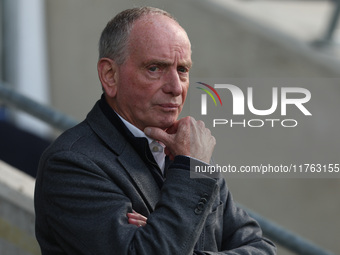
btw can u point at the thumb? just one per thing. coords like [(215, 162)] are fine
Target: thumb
[(157, 134)]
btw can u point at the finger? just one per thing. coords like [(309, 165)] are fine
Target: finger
[(168, 153), (137, 216), (173, 129), (140, 216), (157, 134), (138, 223)]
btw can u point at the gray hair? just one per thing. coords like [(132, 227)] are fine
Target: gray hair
[(114, 38)]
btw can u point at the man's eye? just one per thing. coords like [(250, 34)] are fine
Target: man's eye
[(153, 68), (182, 69)]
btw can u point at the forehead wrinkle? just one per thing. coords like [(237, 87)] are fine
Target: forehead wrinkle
[(143, 33)]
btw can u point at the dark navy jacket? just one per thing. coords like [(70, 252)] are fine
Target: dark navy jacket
[(92, 176)]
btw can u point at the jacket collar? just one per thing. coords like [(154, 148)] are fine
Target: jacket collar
[(114, 134)]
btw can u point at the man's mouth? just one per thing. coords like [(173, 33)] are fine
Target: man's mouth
[(169, 107)]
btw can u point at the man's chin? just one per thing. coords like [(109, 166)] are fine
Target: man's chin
[(163, 122), (166, 125)]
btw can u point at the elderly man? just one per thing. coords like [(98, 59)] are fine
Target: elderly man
[(119, 182)]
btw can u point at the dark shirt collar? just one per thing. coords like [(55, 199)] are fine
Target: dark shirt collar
[(111, 115), (140, 144)]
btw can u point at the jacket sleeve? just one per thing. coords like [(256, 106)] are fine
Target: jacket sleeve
[(227, 228), (241, 234)]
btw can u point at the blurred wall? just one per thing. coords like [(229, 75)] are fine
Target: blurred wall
[(16, 212), (224, 44)]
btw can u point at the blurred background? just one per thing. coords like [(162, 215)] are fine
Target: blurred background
[(49, 54)]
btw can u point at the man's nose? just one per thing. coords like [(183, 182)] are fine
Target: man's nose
[(173, 83)]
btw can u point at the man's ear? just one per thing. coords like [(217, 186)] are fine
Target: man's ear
[(108, 76)]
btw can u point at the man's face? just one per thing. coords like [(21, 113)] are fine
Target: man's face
[(153, 81)]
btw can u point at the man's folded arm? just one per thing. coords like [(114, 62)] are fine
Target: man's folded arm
[(241, 233), (88, 214)]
